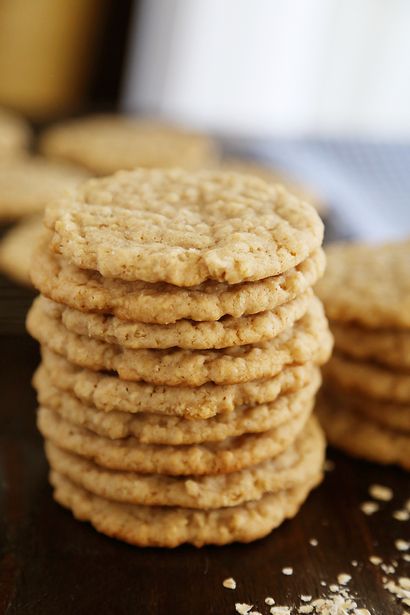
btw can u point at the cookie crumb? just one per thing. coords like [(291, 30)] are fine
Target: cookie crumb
[(406, 557), (402, 545), (401, 515), (343, 578), (362, 612), (288, 571), (229, 583), (397, 590), (305, 598), (313, 542), (354, 563), (369, 508), (404, 582), (375, 560), (334, 588), (323, 583), (387, 569), (242, 608), (281, 610), (269, 601), (319, 603), (381, 492), (305, 608)]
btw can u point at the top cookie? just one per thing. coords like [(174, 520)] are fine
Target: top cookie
[(14, 134), (28, 184), (181, 228), (105, 144), (368, 284)]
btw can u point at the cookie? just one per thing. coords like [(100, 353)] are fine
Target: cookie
[(182, 228), (309, 338), (184, 333), (27, 185), (88, 291), (15, 135), (108, 143), (391, 347), (150, 526), (128, 454), (368, 285), (392, 415), (108, 393), (368, 379), (16, 249), (276, 176), (362, 437), (291, 468), (149, 428)]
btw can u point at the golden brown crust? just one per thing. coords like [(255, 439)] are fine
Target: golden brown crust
[(368, 284), (110, 394), (184, 229), (184, 334), (170, 527), (151, 428), (88, 291), (309, 338), (291, 468), (392, 415), (368, 379), (359, 436), (230, 455), (390, 347)]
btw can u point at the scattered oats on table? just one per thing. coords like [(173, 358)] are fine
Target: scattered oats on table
[(381, 492), (229, 583), (401, 515), (369, 508), (402, 545), (242, 608)]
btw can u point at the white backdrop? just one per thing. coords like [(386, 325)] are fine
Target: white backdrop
[(265, 67)]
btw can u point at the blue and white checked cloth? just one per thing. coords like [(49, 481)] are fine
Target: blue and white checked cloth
[(366, 184)]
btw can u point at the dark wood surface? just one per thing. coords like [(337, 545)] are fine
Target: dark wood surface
[(52, 564)]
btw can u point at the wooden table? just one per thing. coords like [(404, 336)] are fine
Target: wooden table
[(52, 564)]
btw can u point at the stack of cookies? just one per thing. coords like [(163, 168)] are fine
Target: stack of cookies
[(181, 345), (365, 405)]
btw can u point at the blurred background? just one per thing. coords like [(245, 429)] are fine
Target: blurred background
[(317, 89)]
